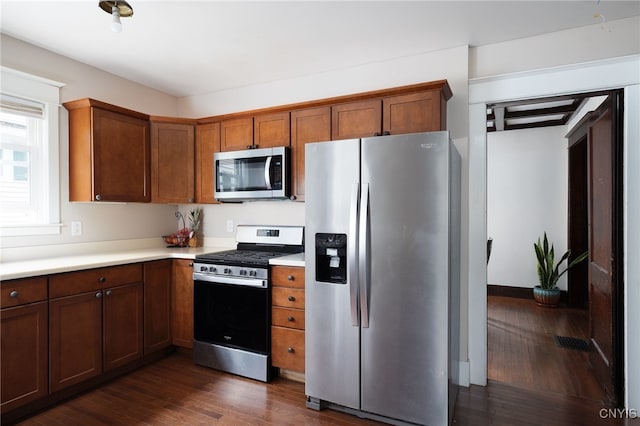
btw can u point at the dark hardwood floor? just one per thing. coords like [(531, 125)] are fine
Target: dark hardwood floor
[(174, 391)]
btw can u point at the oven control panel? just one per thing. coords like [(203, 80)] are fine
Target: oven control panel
[(231, 271)]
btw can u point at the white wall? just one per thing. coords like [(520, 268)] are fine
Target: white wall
[(100, 222), (527, 189)]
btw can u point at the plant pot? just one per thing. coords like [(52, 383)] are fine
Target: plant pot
[(549, 298)]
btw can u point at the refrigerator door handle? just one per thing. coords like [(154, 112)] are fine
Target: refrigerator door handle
[(352, 255), (363, 241)]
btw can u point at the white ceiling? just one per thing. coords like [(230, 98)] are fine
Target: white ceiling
[(193, 47)]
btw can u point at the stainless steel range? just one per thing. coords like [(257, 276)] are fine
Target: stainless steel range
[(232, 300)]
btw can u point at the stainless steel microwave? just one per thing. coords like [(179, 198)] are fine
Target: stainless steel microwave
[(252, 174)]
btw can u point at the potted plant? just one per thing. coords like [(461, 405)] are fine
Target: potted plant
[(195, 220), (547, 293)]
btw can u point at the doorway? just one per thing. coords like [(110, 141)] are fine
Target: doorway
[(617, 72), (532, 200)]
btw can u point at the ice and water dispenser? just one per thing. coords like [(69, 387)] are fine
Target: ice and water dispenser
[(331, 258)]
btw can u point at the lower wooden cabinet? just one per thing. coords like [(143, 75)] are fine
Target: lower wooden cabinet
[(25, 363), (95, 322), (182, 303), (157, 305), (287, 318)]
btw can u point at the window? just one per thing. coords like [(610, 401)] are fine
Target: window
[(29, 175)]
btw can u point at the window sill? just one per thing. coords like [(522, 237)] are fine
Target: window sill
[(26, 230)]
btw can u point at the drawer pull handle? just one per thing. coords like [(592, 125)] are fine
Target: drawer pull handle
[(291, 298), (109, 292), (102, 280), (290, 277), (14, 293), (99, 295), (290, 318), (290, 350)]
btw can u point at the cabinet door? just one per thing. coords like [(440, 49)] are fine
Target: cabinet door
[(413, 113), (75, 345), (121, 157), (287, 348), (271, 130), (122, 322), (25, 359), (172, 163), (236, 134), (309, 125), (182, 303), (356, 119), (207, 144), (157, 305)]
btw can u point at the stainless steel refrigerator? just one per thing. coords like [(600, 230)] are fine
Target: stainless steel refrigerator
[(382, 252)]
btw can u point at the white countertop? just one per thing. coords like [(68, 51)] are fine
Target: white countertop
[(53, 265), (296, 259), (76, 262)]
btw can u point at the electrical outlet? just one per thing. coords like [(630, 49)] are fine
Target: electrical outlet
[(76, 229), (229, 225)]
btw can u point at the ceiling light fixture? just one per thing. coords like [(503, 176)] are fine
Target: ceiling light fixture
[(117, 9)]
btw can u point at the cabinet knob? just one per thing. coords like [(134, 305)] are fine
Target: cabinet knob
[(249, 147), (14, 293), (291, 298), (98, 197), (290, 277), (99, 295), (290, 319), (293, 198), (102, 280), (376, 134), (290, 350), (109, 292), (191, 199), (191, 264)]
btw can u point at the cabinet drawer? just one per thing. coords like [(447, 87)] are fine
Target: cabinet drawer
[(22, 291), (287, 276), (287, 348), (93, 279), (287, 297), (286, 317)]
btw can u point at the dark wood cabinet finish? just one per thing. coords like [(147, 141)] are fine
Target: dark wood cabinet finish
[(157, 305), (109, 153), (75, 345), (207, 144), (172, 162), (122, 324), (308, 125), (24, 370), (22, 291), (182, 303), (95, 322)]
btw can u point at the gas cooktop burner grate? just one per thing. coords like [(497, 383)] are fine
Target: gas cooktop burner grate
[(240, 257)]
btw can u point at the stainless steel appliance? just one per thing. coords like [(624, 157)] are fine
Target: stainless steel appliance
[(232, 300), (252, 174), (382, 277)]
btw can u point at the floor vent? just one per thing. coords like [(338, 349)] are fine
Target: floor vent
[(572, 343)]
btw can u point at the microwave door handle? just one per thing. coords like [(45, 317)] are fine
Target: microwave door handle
[(267, 172)]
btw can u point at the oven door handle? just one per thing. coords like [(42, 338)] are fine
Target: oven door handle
[(250, 282)]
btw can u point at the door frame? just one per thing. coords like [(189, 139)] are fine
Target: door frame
[(592, 76)]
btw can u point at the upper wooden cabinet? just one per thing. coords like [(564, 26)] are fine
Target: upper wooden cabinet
[(308, 125), (270, 130), (172, 160), (109, 153), (356, 119), (260, 131), (423, 111), (236, 134), (207, 144)]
